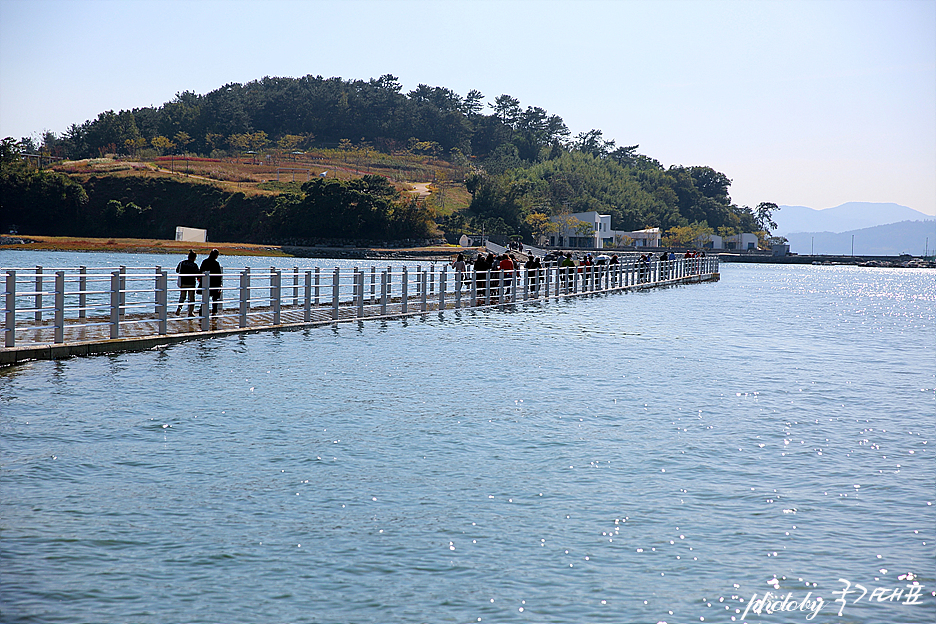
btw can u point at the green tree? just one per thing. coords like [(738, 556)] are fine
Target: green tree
[(472, 104), (507, 109), (37, 201), (214, 140), (182, 139), (593, 143), (763, 216)]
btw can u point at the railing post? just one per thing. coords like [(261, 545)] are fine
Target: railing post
[(373, 282), (383, 293), (458, 287), (295, 287), (474, 289), (38, 295), (156, 288), (422, 291), (488, 295), (526, 285), (162, 301), (336, 292), (123, 290), (247, 286), (59, 307), (307, 313), (9, 322), (442, 286), (115, 305), (404, 288), (273, 292), (277, 279), (244, 297), (359, 279), (318, 274), (82, 291), (206, 301)]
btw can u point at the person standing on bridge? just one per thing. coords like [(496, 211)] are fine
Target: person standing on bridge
[(211, 265), (460, 268), (187, 284), (506, 266), (481, 268)]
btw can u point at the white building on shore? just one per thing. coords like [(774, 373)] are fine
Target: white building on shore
[(598, 234)]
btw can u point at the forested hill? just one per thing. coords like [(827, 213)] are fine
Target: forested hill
[(526, 165)]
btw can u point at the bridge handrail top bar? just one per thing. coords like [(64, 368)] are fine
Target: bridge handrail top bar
[(139, 303)]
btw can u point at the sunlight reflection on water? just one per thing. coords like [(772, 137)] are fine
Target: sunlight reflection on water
[(643, 457)]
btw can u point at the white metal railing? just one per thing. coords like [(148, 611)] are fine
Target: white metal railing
[(44, 305)]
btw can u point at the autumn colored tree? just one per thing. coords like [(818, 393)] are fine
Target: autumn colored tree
[(540, 226), (161, 144)]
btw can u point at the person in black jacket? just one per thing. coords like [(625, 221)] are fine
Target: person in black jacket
[(187, 284), (211, 265)]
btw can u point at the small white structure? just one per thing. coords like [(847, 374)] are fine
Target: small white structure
[(737, 242), (741, 242), (648, 237), (191, 235), (780, 249)]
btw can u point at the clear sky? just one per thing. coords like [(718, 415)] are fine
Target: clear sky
[(812, 103)]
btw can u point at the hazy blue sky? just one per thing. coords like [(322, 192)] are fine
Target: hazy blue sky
[(805, 103)]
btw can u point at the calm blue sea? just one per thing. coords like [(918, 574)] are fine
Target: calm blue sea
[(665, 456)]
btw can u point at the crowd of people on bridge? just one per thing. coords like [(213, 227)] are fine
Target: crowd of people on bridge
[(489, 271), (502, 267)]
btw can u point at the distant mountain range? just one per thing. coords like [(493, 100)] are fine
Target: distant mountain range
[(878, 230), (893, 239), (844, 218)]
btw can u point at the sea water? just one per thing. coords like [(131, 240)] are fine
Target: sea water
[(703, 453)]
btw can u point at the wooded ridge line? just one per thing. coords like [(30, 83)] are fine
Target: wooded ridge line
[(501, 169)]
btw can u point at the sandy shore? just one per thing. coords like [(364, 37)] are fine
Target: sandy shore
[(142, 245)]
